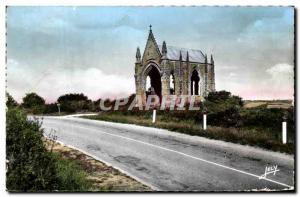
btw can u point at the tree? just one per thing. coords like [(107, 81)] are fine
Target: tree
[(32, 100), (72, 97), (33, 103), (75, 102), (10, 101)]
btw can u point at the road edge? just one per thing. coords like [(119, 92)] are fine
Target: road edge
[(154, 188)]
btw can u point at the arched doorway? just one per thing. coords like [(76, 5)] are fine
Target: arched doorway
[(153, 74), (172, 84), (195, 83), (148, 83)]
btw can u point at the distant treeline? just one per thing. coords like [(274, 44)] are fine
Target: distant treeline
[(33, 103)]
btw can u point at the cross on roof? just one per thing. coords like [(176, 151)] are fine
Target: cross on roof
[(150, 26)]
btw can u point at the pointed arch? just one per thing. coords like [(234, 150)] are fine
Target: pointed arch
[(172, 83), (153, 72), (195, 82)]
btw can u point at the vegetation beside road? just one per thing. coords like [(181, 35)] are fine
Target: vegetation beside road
[(99, 175), (34, 164), (30, 167), (256, 123), (227, 120), (254, 137)]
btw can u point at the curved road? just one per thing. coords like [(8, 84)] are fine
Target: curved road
[(168, 161)]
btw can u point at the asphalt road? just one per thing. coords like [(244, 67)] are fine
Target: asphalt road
[(169, 161)]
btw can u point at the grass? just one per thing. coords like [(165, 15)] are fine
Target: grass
[(71, 176), (81, 172), (251, 136)]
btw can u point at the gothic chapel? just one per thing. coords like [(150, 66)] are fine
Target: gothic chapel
[(169, 70)]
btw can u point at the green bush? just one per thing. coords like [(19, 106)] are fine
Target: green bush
[(228, 118), (224, 97), (30, 167), (263, 117), (269, 120), (223, 109), (51, 108)]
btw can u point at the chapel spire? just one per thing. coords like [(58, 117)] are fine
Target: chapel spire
[(151, 36), (164, 48), (138, 55), (187, 56), (151, 49), (180, 56)]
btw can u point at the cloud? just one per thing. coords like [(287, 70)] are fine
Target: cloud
[(65, 48), (232, 75), (281, 80), (277, 83), (281, 72), (51, 84)]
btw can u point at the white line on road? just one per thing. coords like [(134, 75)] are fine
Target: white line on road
[(193, 157)]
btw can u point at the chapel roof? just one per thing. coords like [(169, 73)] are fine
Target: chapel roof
[(173, 53)]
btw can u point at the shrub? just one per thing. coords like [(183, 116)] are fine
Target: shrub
[(269, 120), (30, 167), (224, 96), (228, 118), (263, 117), (223, 109), (51, 108)]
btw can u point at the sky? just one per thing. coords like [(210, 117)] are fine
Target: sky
[(57, 50)]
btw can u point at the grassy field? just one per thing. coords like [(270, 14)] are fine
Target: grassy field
[(268, 103), (250, 136)]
